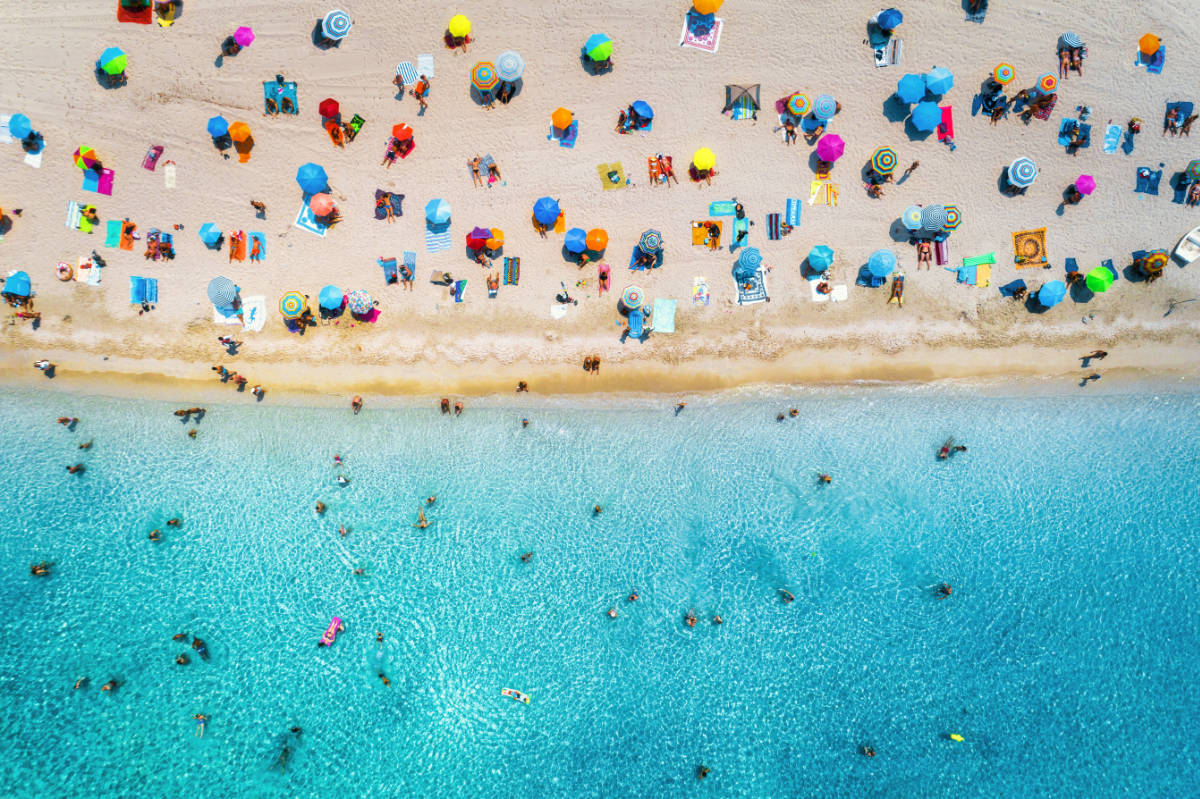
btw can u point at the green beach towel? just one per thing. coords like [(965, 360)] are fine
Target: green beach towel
[(112, 235)]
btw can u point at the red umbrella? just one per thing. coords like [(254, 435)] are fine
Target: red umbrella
[(328, 107), (477, 238), (321, 204), (402, 132)]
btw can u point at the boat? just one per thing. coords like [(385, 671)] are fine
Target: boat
[(513, 693), (1188, 248)]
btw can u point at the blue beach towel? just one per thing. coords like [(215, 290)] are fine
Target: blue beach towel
[(1112, 138), (409, 259), (722, 208), (1010, 289), (1147, 180), (1108, 264), (407, 72), (459, 287), (262, 245), (305, 220), (1064, 131), (143, 289), (273, 90), (792, 214), (740, 226), (390, 273), (437, 237)]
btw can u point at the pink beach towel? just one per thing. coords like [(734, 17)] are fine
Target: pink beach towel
[(602, 272), (946, 128)]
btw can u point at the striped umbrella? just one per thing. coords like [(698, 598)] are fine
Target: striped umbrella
[(912, 217), (222, 291), (631, 297), (359, 302), (483, 76), (336, 25), (85, 158), (933, 218), (1021, 172), (1004, 73), (651, 242), (1070, 40), (1193, 170), (824, 107), (1047, 83), (292, 305), (798, 104), (113, 61), (884, 161), (510, 66), (953, 217)]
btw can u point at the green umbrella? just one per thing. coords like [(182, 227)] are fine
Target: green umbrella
[(1099, 279), (113, 61), (598, 47)]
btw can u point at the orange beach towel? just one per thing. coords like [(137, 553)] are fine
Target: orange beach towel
[(237, 246), (127, 235)]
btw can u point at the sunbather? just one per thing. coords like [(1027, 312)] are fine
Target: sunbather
[(493, 283), (385, 202), (474, 163), (1193, 195), (999, 112), (1073, 196), (1077, 60), (286, 105), (622, 118), (271, 107), (924, 254), (789, 131), (504, 92), (256, 250), (812, 136), (874, 190), (493, 172), (666, 170), (1171, 122), (406, 277), (714, 236), (1186, 128), (335, 133), (1064, 63)]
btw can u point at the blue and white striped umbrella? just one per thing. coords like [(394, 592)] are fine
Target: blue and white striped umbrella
[(336, 25), (933, 218), (1070, 40), (510, 66), (824, 107), (749, 260), (222, 291), (1021, 173)]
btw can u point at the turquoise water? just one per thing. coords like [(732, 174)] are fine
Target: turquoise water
[(1066, 656)]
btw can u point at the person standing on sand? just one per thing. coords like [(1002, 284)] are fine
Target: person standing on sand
[(911, 168)]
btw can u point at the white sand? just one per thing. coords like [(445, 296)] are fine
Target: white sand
[(424, 343)]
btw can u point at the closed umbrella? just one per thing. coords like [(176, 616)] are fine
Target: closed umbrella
[(330, 298), (926, 116), (953, 217), (1047, 83), (597, 239), (312, 178), (459, 26), (1070, 40), (546, 210), (881, 263), (478, 237), (1149, 44), (704, 159), (86, 158), (884, 161), (1022, 172), (1052, 293), (437, 211), (889, 19), (222, 292), (561, 118), (631, 297), (18, 284), (321, 204), (911, 88), (820, 257), (798, 104), (598, 47), (336, 25), (239, 131), (209, 233), (328, 107), (830, 147), (20, 126), (510, 66), (651, 242), (113, 61), (217, 127), (292, 305), (575, 240), (643, 109), (824, 107), (912, 217), (1099, 279), (359, 302), (402, 132), (243, 36), (483, 76), (496, 239), (939, 80), (1086, 184), (1004, 73)]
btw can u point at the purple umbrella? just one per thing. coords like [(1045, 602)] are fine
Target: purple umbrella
[(243, 36), (830, 147)]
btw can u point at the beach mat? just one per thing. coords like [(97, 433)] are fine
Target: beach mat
[(1029, 248), (700, 294), (512, 271), (708, 42), (35, 160), (1112, 138), (773, 233), (722, 208), (700, 232), (753, 289), (407, 73), (1044, 113), (1147, 180), (606, 172), (237, 245), (437, 237), (112, 233), (663, 315), (273, 90), (261, 241), (305, 220), (792, 212), (254, 313), (397, 201)]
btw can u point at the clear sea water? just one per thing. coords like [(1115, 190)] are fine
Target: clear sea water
[(1066, 656)]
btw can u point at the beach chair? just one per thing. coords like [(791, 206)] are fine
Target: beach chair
[(979, 14), (1107, 263), (1070, 265), (512, 271)]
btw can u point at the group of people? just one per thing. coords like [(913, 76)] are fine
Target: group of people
[(477, 166), (1175, 126), (237, 380), (420, 89)]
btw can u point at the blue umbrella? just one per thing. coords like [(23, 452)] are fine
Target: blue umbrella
[(643, 109), (748, 262), (438, 211), (881, 263), (889, 19), (210, 234), (824, 107), (1022, 172), (17, 284), (939, 80), (20, 126), (546, 210), (330, 298), (222, 292), (1052, 293), (926, 116), (911, 88), (510, 66), (312, 178), (218, 127), (576, 240), (820, 257)]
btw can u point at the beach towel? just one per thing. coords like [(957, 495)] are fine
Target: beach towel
[(440, 277), (1184, 109), (975, 275), (569, 135), (815, 295), (143, 289), (602, 282), (396, 201), (743, 108), (612, 176), (700, 233), (127, 229), (1153, 64), (741, 234), (560, 224), (1010, 289), (112, 233), (656, 175), (1147, 180), (663, 315), (75, 218), (258, 242), (5, 133), (708, 41), (700, 291), (169, 174), (276, 92), (979, 14), (425, 65), (460, 286), (840, 293), (941, 252), (390, 273), (407, 73), (254, 313), (1112, 138), (87, 272), (152, 156), (773, 232), (792, 212), (888, 54), (35, 161), (101, 183), (141, 16), (305, 220), (1044, 113), (823, 190), (237, 245), (512, 271), (752, 289), (1029, 248), (1181, 183), (945, 129), (637, 252), (409, 259), (722, 208), (437, 237)]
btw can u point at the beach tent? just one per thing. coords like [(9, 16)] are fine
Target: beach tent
[(741, 96), (576, 240), (17, 284), (330, 298), (312, 178), (911, 88), (546, 211)]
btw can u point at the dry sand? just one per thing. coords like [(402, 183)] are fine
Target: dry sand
[(423, 343)]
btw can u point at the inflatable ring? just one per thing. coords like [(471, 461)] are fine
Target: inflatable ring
[(65, 271)]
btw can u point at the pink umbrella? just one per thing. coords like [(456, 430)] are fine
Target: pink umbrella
[(243, 36), (1086, 184), (830, 147), (321, 205)]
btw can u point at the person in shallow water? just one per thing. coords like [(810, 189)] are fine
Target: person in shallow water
[(200, 647), (788, 596), (422, 522), (944, 590)]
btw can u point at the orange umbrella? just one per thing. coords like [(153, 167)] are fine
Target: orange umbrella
[(597, 239), (239, 131), (402, 132), (321, 204), (561, 119), (707, 6), (1149, 44), (496, 241)]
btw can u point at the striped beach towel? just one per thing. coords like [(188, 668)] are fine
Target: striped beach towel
[(408, 73), (792, 213), (773, 227), (437, 239), (512, 271)]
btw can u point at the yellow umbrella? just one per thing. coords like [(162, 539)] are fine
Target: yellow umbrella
[(704, 159), (459, 26)]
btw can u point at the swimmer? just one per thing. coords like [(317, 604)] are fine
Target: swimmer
[(337, 460), (680, 407), (867, 750), (343, 479), (780, 418), (430, 500), (445, 405), (612, 613), (788, 596), (702, 772), (40, 569), (358, 572), (383, 677), (343, 530), (597, 510), (458, 408), (320, 507), (379, 636), (793, 412), (201, 723), (633, 597), (944, 452), (174, 522), (718, 620), (76, 469), (958, 448), (86, 445), (192, 433), (690, 618), (156, 535), (111, 685), (179, 637), (182, 659), (422, 522), (524, 423), (526, 557), (82, 682), (356, 404), (522, 385), (200, 647), (824, 478), (944, 590), (67, 421), (281, 761)]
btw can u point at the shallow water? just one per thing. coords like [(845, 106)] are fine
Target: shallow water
[(1066, 656)]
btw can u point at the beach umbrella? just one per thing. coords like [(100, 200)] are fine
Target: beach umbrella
[(912, 217), (1004, 73), (889, 19), (1052, 293), (939, 80), (20, 126), (292, 305), (312, 178), (598, 47), (798, 104), (402, 132), (1085, 184), (359, 302), (483, 76), (643, 109), (209, 233), (884, 161), (824, 107), (926, 116), (546, 210), (1021, 172), (243, 36), (218, 127), (222, 292), (1149, 44), (933, 218), (239, 131), (575, 240), (113, 60), (561, 118), (86, 158), (597, 239), (911, 88), (1156, 260), (321, 204), (830, 147), (1193, 169), (650, 242), (749, 260), (820, 257), (707, 6), (459, 26), (704, 159), (510, 66), (328, 107), (1070, 40), (1099, 279), (478, 237), (336, 25), (953, 217), (17, 284), (1047, 83), (496, 240), (881, 263), (631, 298), (330, 298)]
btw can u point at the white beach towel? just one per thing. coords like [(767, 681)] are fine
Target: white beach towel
[(305, 220), (254, 312), (425, 65), (169, 174), (5, 136), (558, 311), (35, 159), (839, 294), (221, 319), (74, 214), (86, 272)]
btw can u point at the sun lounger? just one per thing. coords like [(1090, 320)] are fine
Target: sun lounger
[(460, 288), (512, 271), (425, 65), (276, 92), (112, 233), (752, 289), (664, 315), (941, 252), (1147, 180), (143, 290), (1112, 138), (700, 233), (637, 326), (127, 229)]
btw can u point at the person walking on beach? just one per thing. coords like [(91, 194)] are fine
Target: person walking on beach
[(911, 168), (419, 92), (1095, 355)]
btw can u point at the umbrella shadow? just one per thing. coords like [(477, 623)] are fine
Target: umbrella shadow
[(482, 99), (1032, 305), (594, 67), (107, 81), (222, 143), (1080, 293), (895, 109), (5, 224), (320, 40), (508, 90), (1133, 274), (913, 134), (900, 234)]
